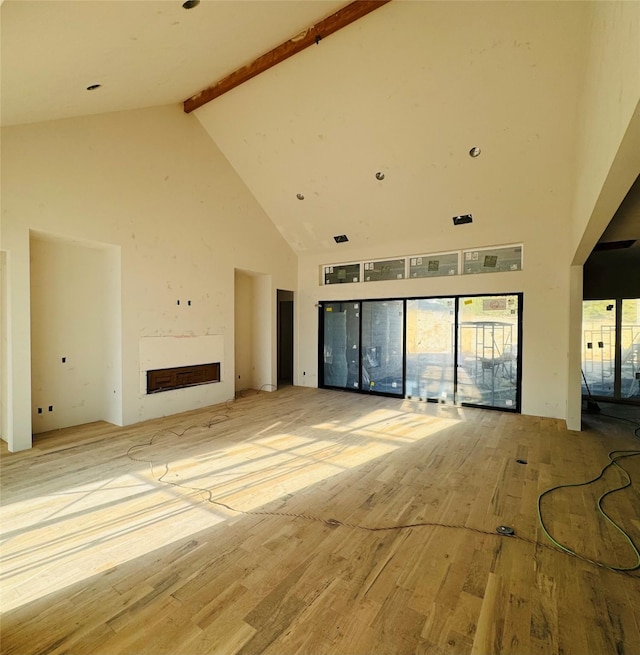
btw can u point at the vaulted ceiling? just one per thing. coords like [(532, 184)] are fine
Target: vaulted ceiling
[(405, 91), (143, 52)]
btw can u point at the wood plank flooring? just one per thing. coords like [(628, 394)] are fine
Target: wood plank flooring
[(271, 525)]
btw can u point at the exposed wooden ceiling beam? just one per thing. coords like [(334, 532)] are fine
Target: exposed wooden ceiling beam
[(310, 36)]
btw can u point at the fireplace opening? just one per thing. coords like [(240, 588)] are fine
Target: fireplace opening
[(178, 377)]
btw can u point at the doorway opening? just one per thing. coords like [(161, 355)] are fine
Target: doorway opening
[(285, 338)]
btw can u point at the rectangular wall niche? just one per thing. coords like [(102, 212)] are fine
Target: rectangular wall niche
[(178, 377)]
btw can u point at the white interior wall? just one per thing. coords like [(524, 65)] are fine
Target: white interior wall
[(174, 351), (256, 348), (420, 84), (4, 361), (17, 373), (545, 316), (70, 319), (608, 112), (243, 314), (113, 342), (159, 189), (574, 389), (265, 363), (155, 185), (608, 153)]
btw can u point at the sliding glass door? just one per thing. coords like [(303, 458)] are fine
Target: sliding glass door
[(382, 346), (488, 336), (611, 349), (341, 348), (630, 350), (461, 350), (598, 347), (431, 349)]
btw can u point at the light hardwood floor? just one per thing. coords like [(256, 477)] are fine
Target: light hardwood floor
[(112, 541)]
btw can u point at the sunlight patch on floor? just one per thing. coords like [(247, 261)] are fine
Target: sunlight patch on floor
[(52, 541)]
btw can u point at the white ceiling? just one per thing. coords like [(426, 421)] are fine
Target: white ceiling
[(407, 90), (143, 52)]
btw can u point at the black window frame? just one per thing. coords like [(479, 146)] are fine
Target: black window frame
[(517, 409)]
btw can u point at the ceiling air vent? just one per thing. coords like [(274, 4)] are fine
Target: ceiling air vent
[(341, 238), (613, 245)]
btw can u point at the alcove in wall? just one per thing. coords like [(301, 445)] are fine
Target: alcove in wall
[(75, 332)]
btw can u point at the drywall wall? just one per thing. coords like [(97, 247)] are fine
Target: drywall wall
[(175, 351), (264, 322), (545, 316), (614, 273), (608, 154), (256, 344), (152, 183), (4, 372), (608, 139), (243, 313), (407, 91), (74, 328), (574, 394)]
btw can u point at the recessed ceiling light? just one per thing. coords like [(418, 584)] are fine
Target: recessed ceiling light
[(93, 87), (379, 175), (190, 4), (464, 219), (474, 152), (299, 196)]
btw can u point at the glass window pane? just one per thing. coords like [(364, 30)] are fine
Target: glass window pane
[(392, 269), (382, 346), (598, 347), (434, 265), (492, 260), (430, 348), (630, 349), (341, 354), (488, 351), (342, 274)]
